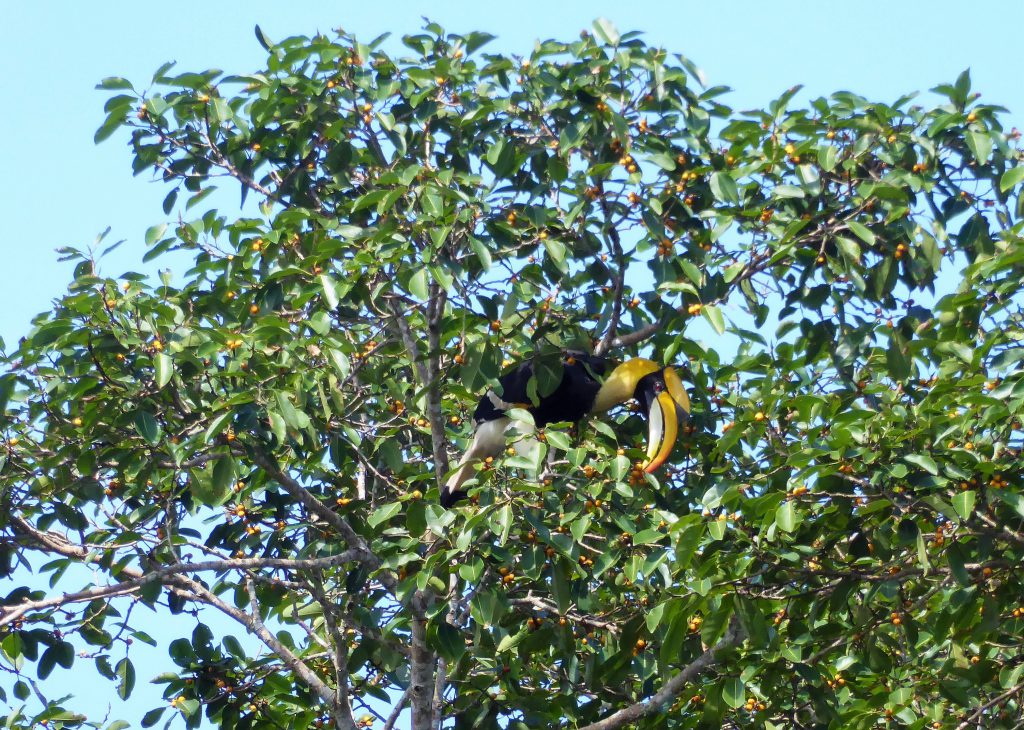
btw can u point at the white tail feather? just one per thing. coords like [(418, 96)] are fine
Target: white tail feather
[(489, 440)]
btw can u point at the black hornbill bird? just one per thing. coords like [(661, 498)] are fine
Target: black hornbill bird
[(583, 389)]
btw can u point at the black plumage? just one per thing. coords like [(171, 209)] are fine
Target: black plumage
[(570, 401)]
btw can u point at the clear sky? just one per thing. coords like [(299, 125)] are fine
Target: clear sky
[(58, 188)]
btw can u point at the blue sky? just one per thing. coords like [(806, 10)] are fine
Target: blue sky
[(58, 188)]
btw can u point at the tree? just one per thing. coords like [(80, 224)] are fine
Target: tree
[(839, 543)]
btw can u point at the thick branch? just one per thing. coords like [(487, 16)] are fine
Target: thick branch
[(422, 670)]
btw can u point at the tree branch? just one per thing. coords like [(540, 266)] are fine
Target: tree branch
[(674, 686), (435, 312), (422, 669), (396, 711), (620, 273), (139, 579), (316, 507)]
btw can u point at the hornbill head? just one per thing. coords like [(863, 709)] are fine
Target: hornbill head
[(662, 397)]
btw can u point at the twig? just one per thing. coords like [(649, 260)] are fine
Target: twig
[(396, 711)]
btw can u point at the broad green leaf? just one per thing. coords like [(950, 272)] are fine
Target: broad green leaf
[(383, 514), (714, 316), (981, 145), (924, 461), (1011, 178), (419, 285), (164, 368), (606, 31), (734, 692), (724, 188), (126, 678), (148, 427), (786, 516), (329, 287), (862, 232), (963, 503)]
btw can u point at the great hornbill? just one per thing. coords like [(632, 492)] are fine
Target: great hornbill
[(583, 389)]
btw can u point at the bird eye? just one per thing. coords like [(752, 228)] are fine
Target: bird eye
[(658, 387)]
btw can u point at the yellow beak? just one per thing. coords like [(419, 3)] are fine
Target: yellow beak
[(662, 429)]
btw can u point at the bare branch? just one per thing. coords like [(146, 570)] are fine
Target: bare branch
[(133, 584), (396, 711)]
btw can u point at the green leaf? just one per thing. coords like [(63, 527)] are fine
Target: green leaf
[(691, 271), (963, 503), (654, 616), (649, 536), (786, 516), (125, 678), (1010, 676), (481, 252), (558, 439), (330, 289), (510, 641), (164, 368), (663, 160), (924, 461), (788, 191), (1012, 498), (1011, 178), (922, 553), (556, 250), (267, 44), (849, 248), (384, 513), (200, 484), (734, 692), (419, 284), (224, 474), (112, 83), (450, 642), (606, 31), (294, 417), (862, 232), (827, 155), (980, 144), (148, 427), (724, 188), (155, 233), (714, 316), (955, 559), (152, 717), (896, 360)]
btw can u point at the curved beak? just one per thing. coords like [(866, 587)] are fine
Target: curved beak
[(663, 421)]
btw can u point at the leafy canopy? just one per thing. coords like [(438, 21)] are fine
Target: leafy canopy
[(263, 435)]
